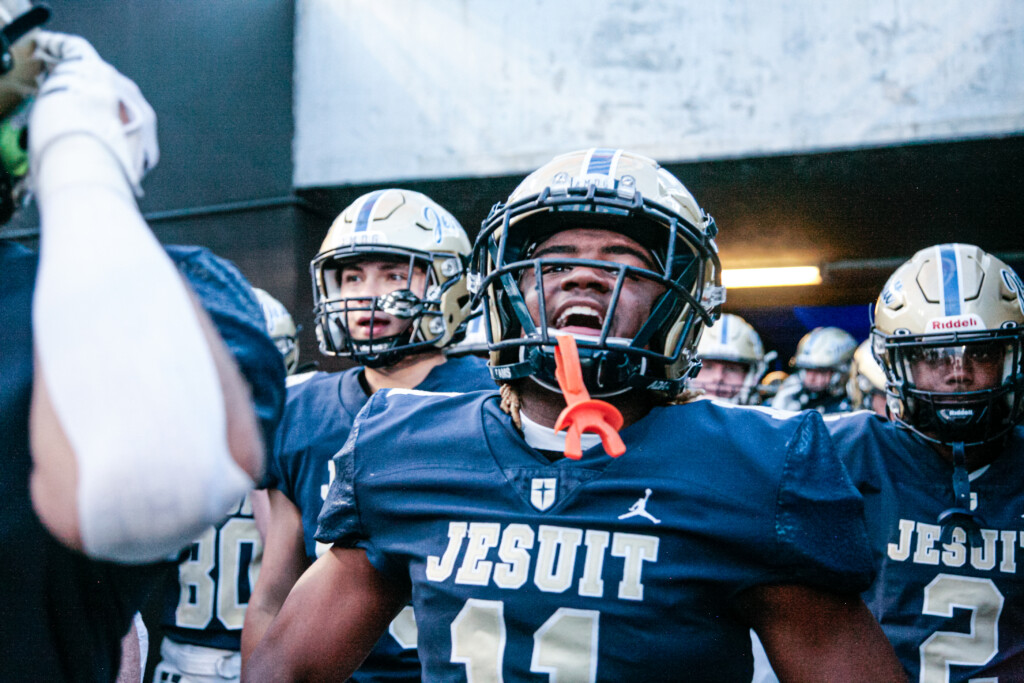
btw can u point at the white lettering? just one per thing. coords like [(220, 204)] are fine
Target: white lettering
[(514, 567), (475, 570), (927, 535), (551, 550), (591, 584), (955, 553), (998, 547), (556, 557), (636, 550), (440, 570), (985, 557), (1009, 543), (902, 551)]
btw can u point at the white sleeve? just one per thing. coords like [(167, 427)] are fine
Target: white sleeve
[(131, 378)]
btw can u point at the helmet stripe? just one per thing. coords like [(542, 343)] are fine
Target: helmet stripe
[(602, 162), (366, 210), (950, 273), (725, 329)]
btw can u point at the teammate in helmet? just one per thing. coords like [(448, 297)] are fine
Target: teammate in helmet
[(598, 275), (769, 386), (941, 481), (732, 360), (821, 371), (107, 467), (866, 387), (281, 329), (390, 293)]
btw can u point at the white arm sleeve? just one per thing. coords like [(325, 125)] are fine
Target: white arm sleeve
[(131, 378)]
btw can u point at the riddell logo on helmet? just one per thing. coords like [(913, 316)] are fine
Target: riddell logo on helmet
[(956, 322)]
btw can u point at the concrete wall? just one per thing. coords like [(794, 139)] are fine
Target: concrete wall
[(404, 89), (219, 76)]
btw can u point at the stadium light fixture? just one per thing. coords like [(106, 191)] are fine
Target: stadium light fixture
[(735, 278)]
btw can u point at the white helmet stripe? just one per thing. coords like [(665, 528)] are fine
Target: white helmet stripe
[(950, 286)]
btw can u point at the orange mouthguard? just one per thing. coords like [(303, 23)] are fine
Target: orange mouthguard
[(583, 414)]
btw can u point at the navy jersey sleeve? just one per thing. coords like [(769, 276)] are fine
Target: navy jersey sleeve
[(229, 301), (339, 519), (820, 531)]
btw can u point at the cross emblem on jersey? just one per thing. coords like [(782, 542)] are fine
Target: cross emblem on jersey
[(542, 492), (639, 509)]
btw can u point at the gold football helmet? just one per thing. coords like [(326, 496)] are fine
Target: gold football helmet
[(948, 330), (825, 348), (866, 378), (733, 340), (622, 192), (281, 328), (404, 226)]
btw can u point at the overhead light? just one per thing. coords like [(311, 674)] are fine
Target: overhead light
[(734, 278)]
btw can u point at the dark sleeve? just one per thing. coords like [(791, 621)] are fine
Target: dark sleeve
[(820, 533), (232, 306), (339, 521)]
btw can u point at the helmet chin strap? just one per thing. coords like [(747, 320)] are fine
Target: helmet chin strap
[(960, 514), (583, 414)]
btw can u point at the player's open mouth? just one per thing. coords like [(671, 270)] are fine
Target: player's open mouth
[(580, 319), (376, 321)]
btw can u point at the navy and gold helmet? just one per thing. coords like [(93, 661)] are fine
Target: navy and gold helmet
[(621, 192), (410, 228), (733, 340), (953, 308), (281, 328)]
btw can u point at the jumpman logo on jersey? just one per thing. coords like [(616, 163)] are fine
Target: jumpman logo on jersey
[(639, 508)]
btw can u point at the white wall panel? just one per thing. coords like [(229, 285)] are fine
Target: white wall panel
[(408, 89)]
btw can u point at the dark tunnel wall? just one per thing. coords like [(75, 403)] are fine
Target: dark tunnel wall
[(219, 76)]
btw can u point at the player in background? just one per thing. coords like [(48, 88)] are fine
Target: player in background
[(390, 294), (769, 386), (281, 328), (206, 598), (524, 564), (866, 387), (942, 483), (732, 361), (821, 370), (107, 467)]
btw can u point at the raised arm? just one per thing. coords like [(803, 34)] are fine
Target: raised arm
[(143, 430), (813, 635), (329, 623)]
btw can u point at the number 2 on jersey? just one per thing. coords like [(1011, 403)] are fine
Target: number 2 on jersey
[(979, 646)]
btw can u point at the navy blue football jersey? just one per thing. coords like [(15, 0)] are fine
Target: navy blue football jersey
[(207, 597), (318, 415), (610, 569), (952, 612), (63, 615)]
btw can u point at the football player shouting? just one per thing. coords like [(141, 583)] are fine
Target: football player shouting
[(598, 275)]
